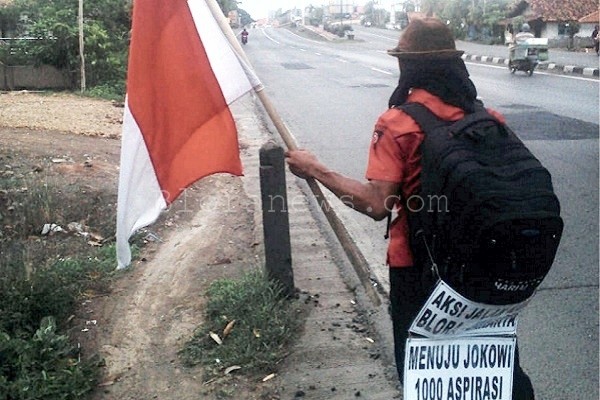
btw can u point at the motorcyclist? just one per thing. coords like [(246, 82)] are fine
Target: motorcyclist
[(524, 34), (596, 39), (520, 57), (244, 36)]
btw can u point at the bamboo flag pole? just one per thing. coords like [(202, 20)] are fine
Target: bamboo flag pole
[(356, 257)]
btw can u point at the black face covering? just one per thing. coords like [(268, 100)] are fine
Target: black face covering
[(446, 79)]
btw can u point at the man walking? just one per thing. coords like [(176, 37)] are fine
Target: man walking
[(433, 74), (596, 39)]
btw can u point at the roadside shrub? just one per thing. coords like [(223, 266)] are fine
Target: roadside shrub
[(50, 35), (50, 291), (109, 91), (25, 302), (37, 361), (261, 320), (44, 366)]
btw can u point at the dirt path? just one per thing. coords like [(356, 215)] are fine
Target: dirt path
[(157, 306), (157, 303)]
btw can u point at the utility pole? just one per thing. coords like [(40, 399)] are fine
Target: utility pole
[(81, 57)]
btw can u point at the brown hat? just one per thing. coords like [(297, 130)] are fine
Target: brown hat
[(426, 38)]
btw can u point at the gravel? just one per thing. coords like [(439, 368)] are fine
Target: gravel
[(63, 112)]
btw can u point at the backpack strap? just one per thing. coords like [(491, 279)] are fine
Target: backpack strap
[(426, 119), (429, 122)]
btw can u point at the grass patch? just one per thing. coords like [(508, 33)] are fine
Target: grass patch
[(262, 324), (114, 91), (37, 358), (44, 366), (44, 277)]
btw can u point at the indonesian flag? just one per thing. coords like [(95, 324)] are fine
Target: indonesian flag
[(177, 126)]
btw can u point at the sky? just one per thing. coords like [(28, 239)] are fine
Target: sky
[(260, 8)]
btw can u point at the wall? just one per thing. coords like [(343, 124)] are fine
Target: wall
[(550, 30), (580, 41), (33, 78), (586, 29)]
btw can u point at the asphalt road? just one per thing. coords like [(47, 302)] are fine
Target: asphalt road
[(329, 94)]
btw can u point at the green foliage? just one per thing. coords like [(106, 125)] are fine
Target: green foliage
[(9, 17), (27, 297), (38, 202), (56, 40), (51, 36), (43, 366), (25, 302), (431, 7), (37, 361), (227, 5), (482, 15), (245, 18), (376, 16), (35, 199), (104, 60), (41, 282), (315, 15), (109, 91), (265, 322)]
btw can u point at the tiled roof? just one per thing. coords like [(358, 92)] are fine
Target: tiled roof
[(591, 18), (561, 10), (415, 15)]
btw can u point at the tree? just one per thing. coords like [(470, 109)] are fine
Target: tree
[(55, 37), (377, 16), (245, 18), (479, 17), (9, 17), (52, 26), (456, 13), (494, 13), (227, 5), (315, 15), (431, 7)]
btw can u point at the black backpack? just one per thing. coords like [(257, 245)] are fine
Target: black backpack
[(487, 220)]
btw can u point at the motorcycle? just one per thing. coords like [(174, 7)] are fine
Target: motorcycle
[(244, 37), (525, 55)]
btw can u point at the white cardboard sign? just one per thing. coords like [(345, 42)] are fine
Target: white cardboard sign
[(474, 368), (448, 314)]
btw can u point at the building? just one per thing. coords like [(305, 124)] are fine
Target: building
[(587, 24), (341, 9), (554, 19)]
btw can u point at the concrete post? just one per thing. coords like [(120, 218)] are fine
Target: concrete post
[(276, 224)]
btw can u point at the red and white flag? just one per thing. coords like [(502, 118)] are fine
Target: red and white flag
[(177, 126)]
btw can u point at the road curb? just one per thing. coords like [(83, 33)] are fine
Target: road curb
[(345, 349), (566, 69)]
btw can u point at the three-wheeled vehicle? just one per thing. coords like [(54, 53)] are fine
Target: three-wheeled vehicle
[(526, 54)]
